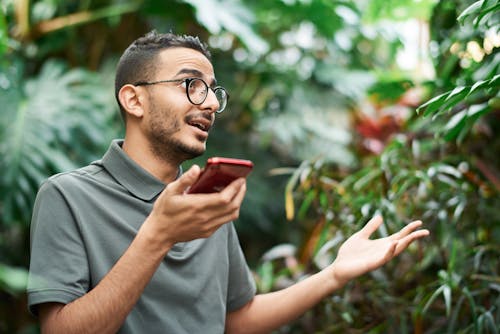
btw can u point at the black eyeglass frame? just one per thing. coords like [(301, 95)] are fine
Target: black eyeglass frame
[(188, 82)]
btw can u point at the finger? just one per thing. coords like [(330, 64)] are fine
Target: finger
[(233, 189), (407, 230), (230, 199), (240, 195), (371, 226), (187, 179), (403, 243), (231, 211)]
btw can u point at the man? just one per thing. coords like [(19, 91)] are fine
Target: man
[(120, 246)]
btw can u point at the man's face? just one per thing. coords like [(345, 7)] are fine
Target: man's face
[(177, 129)]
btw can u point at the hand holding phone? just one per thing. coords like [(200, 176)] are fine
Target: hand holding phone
[(218, 173)]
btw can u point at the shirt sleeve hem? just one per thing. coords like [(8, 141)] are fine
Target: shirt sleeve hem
[(241, 301), (49, 296)]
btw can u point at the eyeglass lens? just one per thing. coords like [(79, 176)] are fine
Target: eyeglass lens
[(198, 91), (221, 95)]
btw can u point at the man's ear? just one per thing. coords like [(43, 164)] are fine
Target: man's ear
[(131, 100)]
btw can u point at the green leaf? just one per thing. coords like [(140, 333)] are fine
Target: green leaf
[(4, 35), (234, 17), (455, 125), (485, 13), (477, 110), (473, 307), (266, 275), (447, 298), (306, 203), (433, 297), (13, 279), (495, 81), (461, 123), (45, 114), (366, 179), (473, 9), (455, 96), (488, 323), (478, 10), (478, 85), (456, 92), (433, 104), (449, 99), (398, 10)]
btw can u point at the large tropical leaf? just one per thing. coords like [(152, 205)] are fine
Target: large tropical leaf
[(50, 124), (314, 125), (232, 16)]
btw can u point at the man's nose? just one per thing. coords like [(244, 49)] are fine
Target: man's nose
[(211, 102)]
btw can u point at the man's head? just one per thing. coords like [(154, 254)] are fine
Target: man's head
[(166, 89), (139, 62)]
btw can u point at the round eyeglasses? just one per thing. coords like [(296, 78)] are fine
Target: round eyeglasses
[(196, 91)]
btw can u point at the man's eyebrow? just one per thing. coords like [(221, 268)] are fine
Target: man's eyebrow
[(195, 73)]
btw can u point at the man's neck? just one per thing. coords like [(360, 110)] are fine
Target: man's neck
[(140, 152)]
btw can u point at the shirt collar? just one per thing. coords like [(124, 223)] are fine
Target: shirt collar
[(129, 174)]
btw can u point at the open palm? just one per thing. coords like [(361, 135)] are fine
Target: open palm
[(359, 254)]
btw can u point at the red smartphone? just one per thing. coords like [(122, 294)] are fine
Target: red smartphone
[(218, 173)]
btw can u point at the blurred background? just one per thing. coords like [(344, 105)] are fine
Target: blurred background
[(348, 109)]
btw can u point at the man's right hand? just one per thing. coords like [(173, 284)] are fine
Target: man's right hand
[(178, 217)]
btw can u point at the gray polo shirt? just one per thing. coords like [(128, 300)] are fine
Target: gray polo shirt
[(84, 220)]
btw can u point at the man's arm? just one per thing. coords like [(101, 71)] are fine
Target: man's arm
[(104, 308), (175, 217), (357, 256)]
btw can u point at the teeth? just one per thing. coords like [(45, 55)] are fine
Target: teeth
[(200, 126)]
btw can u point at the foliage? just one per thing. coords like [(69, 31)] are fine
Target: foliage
[(478, 94), (465, 116), (441, 170), (409, 179), (51, 123), (44, 117), (312, 82)]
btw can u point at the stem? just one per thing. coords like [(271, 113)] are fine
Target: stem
[(62, 22)]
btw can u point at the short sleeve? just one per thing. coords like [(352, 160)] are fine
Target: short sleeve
[(241, 287), (58, 266)]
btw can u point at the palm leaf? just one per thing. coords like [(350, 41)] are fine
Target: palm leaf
[(48, 119)]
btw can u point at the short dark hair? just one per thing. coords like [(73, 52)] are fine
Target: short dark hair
[(138, 62)]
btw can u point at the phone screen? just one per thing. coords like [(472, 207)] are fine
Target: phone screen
[(219, 172)]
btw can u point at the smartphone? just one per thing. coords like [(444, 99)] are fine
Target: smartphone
[(218, 173)]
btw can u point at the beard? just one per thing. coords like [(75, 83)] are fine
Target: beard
[(162, 129)]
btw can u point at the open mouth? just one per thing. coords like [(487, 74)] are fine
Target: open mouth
[(201, 123), (203, 126)]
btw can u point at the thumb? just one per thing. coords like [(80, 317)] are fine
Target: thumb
[(180, 185)]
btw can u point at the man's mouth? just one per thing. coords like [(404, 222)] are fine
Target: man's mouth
[(200, 125), (204, 123)]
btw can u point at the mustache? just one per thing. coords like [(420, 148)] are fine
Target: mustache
[(206, 115)]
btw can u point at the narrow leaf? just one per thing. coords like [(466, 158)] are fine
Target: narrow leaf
[(456, 91), (433, 104), (447, 299), (471, 10), (289, 205), (433, 297)]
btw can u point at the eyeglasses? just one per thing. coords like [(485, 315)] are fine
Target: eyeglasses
[(196, 91)]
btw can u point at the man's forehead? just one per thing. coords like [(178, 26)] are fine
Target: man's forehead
[(178, 61)]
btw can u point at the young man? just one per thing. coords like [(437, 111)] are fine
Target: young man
[(119, 246)]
